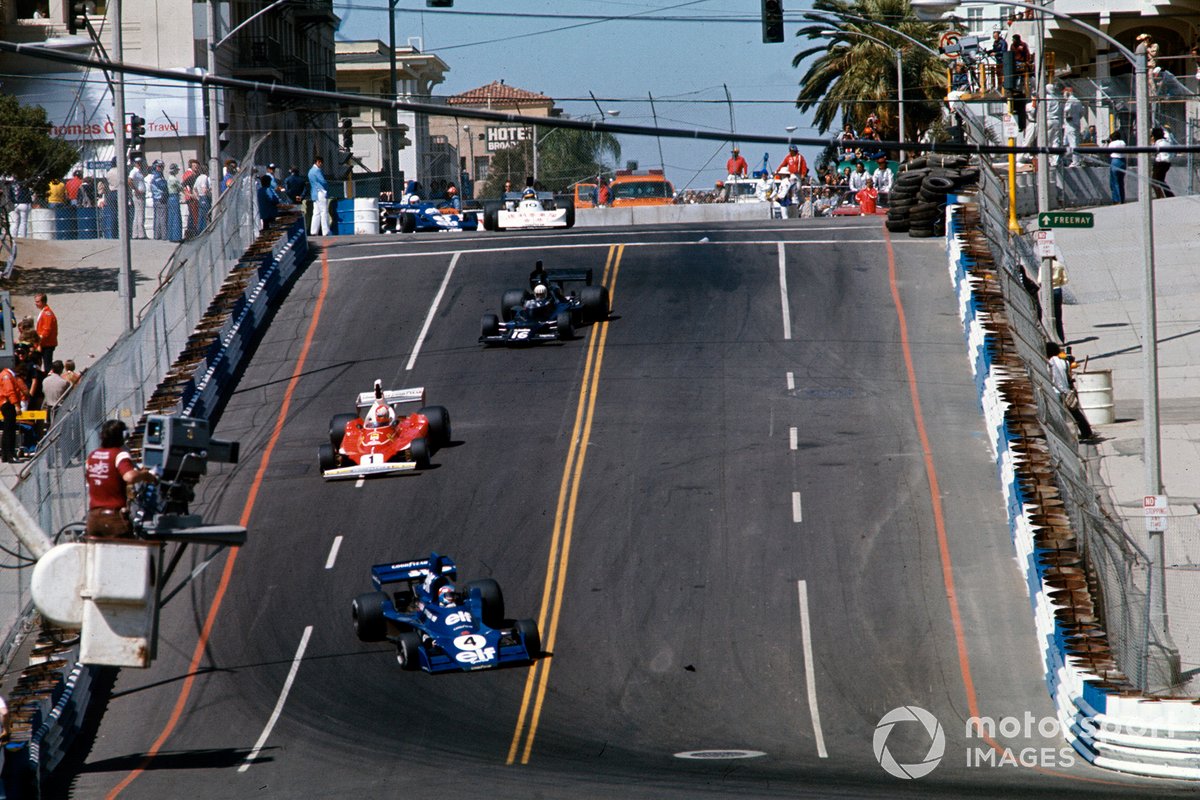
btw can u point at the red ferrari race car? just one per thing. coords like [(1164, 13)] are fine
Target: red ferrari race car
[(380, 440)]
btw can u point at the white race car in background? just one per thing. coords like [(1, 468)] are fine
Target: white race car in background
[(516, 212)]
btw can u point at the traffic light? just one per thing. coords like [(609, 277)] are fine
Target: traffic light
[(77, 17), (222, 135), (137, 136), (772, 21), (347, 133), (402, 140), (439, 3)]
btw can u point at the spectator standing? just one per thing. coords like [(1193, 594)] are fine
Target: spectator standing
[(794, 163), (1053, 120), (736, 166), (158, 195), (1088, 136), (1060, 376), (866, 198), (999, 48), (859, 178), (1162, 164), (268, 205), (23, 198), (190, 197), (56, 193), (202, 190), (174, 212), (72, 187), (137, 187), (1116, 167), (1058, 280), (109, 471), (603, 193), (882, 179), (46, 326), (1072, 111), (231, 168), (112, 178), (54, 387), (293, 186), (69, 372), (452, 198), (1022, 60), (13, 397), (319, 195)]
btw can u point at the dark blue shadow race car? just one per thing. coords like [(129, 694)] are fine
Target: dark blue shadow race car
[(548, 310), (424, 216), (437, 626)]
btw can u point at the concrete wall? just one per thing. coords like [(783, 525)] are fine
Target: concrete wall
[(652, 215)]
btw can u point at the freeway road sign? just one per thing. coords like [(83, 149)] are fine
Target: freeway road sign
[(1066, 219)]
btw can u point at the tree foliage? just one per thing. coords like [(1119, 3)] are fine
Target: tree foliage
[(565, 156), (853, 76), (28, 152)]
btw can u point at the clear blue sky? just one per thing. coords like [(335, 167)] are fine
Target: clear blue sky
[(684, 62)]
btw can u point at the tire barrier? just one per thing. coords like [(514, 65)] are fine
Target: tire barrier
[(1103, 715), (917, 202)]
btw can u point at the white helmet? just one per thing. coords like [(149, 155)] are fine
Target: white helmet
[(380, 415), (540, 291)]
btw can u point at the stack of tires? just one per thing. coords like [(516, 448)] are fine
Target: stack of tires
[(917, 203)]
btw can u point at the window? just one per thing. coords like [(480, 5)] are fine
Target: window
[(975, 20)]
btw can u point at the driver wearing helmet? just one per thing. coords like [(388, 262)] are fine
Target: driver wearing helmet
[(445, 596), (380, 416), (529, 194)]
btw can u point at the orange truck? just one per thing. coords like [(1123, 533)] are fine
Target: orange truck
[(634, 188)]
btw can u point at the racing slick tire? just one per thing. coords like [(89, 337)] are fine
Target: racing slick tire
[(408, 223), (337, 428), (533, 639), (492, 599), (511, 300), (489, 325), (491, 216), (594, 300), (420, 452), (327, 457), (563, 327), (569, 205), (408, 650), (369, 622), (439, 424)]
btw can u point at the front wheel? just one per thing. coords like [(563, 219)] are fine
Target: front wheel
[(489, 326), (439, 424), (337, 428), (408, 223), (408, 648), (563, 328), (419, 450), (326, 457), (528, 630), (594, 300), (369, 623)]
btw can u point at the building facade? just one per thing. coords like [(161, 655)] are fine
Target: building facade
[(291, 45)]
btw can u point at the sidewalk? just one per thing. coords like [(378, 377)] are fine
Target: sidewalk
[(1104, 315), (80, 282)]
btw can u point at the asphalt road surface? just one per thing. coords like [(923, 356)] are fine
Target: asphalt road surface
[(753, 512)]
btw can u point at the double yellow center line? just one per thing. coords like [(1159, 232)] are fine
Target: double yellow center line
[(564, 522)]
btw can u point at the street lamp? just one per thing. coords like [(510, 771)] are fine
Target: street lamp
[(936, 8), (899, 74)]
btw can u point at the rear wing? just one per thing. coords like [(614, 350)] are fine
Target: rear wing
[(404, 571), (563, 275), (390, 396)]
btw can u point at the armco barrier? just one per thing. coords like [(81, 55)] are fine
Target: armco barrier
[(1104, 717)]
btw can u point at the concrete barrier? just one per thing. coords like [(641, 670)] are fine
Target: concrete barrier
[(1104, 719), (659, 215)]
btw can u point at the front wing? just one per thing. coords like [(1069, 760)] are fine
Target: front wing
[(361, 470), (520, 334), (514, 220)]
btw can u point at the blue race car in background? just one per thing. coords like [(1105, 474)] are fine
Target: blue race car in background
[(436, 626), (424, 216), (547, 310)]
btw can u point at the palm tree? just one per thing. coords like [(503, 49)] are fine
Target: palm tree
[(853, 76)]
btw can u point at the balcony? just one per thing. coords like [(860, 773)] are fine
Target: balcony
[(259, 58)]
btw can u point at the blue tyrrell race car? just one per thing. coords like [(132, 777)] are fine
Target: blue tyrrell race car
[(424, 216), (438, 627)]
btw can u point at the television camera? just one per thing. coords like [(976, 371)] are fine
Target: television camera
[(965, 49), (178, 449)]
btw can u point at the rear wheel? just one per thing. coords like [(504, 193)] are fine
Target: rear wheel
[(528, 630), (594, 300), (326, 457), (563, 328), (408, 223), (439, 424), (408, 650), (420, 452), (569, 205), (511, 299), (337, 428), (490, 325), (492, 599), (369, 622)]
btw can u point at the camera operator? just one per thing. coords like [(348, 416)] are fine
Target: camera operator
[(110, 471)]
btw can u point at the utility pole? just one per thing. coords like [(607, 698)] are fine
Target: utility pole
[(214, 133), (125, 276)]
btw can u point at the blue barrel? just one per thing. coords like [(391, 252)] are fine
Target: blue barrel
[(343, 217), (87, 223)]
